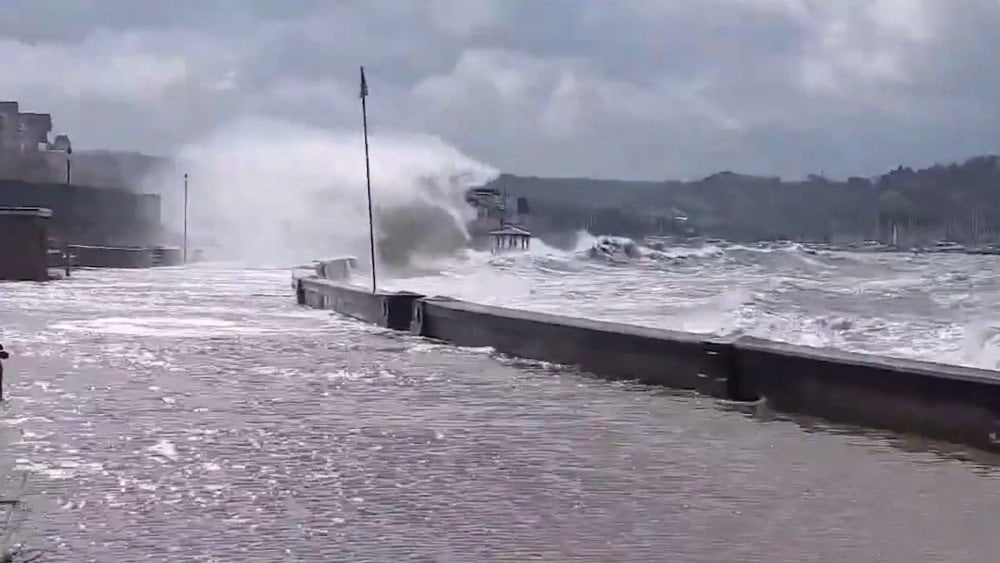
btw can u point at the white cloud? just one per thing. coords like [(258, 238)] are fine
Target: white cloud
[(862, 53), (910, 20), (464, 17), (90, 69), (650, 88)]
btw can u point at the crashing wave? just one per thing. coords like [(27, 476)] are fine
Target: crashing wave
[(614, 249)]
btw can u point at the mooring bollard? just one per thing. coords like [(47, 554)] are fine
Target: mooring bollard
[(3, 356)]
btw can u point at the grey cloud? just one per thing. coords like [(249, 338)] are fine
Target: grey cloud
[(637, 88)]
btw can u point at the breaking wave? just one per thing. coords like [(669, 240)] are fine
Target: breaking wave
[(881, 303), (277, 193)]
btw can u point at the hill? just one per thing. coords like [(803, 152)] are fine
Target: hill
[(959, 201)]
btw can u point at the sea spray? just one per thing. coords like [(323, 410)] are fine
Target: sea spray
[(271, 192)]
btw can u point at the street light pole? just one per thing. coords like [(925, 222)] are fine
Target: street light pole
[(368, 174), (185, 218)]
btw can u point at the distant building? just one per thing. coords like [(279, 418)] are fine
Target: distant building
[(490, 209), (488, 202), (23, 131), (25, 150), (89, 201), (493, 215)]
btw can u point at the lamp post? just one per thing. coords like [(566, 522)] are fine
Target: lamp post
[(3, 356), (368, 173), (185, 218)]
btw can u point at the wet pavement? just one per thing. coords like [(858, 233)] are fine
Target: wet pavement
[(200, 415)]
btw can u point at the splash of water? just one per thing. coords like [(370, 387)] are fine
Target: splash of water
[(980, 345), (271, 192)]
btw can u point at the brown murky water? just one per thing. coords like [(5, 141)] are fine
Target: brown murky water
[(200, 415)]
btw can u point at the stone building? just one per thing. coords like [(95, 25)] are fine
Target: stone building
[(23, 131), (25, 150)]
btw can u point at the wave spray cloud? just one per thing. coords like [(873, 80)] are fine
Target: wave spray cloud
[(269, 192)]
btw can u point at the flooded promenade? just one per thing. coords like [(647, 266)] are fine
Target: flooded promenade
[(200, 415)]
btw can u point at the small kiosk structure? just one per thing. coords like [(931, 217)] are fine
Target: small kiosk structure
[(510, 237), (24, 243)]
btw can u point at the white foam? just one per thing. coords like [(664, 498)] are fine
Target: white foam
[(165, 449), (980, 345), (165, 327)]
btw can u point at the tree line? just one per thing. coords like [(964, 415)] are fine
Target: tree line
[(958, 199)]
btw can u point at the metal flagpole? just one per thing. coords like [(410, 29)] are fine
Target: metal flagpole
[(185, 218), (368, 174)]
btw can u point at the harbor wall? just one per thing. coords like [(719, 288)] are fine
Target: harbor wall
[(110, 257), (85, 256), (166, 256), (612, 350), (950, 403)]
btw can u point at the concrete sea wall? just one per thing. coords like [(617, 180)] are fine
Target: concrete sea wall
[(612, 350), (84, 256), (166, 256), (110, 257), (950, 403)]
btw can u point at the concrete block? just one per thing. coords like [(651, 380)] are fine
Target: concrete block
[(387, 309), (337, 269)]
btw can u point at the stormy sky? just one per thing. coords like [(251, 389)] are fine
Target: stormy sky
[(610, 88)]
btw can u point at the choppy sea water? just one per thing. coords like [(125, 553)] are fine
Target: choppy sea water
[(200, 415), (937, 307)]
